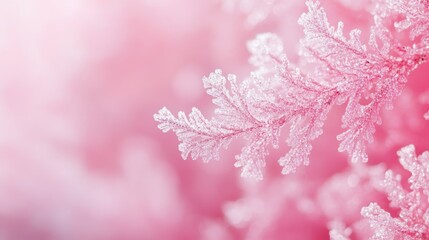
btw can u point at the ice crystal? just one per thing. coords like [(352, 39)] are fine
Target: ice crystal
[(412, 15), (234, 117), (413, 219), (368, 77), (337, 70)]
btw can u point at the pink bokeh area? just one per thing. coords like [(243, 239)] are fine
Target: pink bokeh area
[(81, 157)]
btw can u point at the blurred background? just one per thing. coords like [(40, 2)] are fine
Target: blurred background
[(81, 156)]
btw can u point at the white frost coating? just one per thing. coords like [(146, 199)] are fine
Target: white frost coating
[(413, 220), (343, 70)]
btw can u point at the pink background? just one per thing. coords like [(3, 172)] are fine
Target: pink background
[(81, 156)]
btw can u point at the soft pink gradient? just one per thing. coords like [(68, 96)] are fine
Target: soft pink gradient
[(81, 156)]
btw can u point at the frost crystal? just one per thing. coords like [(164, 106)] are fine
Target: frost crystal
[(234, 117), (411, 14), (413, 219), (337, 70)]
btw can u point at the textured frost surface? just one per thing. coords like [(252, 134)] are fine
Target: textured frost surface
[(204, 138), (411, 15), (339, 69), (412, 222)]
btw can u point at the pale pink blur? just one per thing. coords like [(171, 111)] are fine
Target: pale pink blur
[(81, 156)]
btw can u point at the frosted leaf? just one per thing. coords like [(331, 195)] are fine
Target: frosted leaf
[(327, 45), (412, 222), (199, 136), (251, 160), (231, 103), (266, 48), (412, 14), (357, 72), (204, 138), (417, 166), (347, 66), (303, 130), (385, 227), (295, 157), (337, 70)]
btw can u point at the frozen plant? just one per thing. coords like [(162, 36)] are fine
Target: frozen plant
[(413, 220), (337, 70)]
